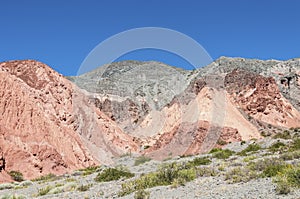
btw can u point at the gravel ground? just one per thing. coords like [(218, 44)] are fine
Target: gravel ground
[(202, 187)]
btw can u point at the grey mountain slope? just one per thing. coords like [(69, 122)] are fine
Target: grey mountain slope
[(136, 80)]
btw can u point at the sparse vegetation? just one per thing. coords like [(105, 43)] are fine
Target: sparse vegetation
[(83, 188), (222, 154), (295, 145), (240, 174), (249, 158), (142, 194), (276, 146), (141, 160), (291, 155), (43, 191), (89, 170), (112, 174), (288, 179), (266, 166), (215, 150), (16, 176), (221, 142), (46, 178), (175, 174), (6, 186), (13, 196), (284, 135), (199, 161), (251, 148)]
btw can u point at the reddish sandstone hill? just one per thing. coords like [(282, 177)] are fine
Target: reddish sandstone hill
[(47, 125)]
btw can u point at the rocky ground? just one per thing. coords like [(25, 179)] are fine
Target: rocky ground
[(252, 169)]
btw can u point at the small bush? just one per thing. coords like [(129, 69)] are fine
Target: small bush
[(214, 150), (284, 135), (276, 146), (56, 190), (141, 160), (249, 158), (250, 148), (221, 142), (239, 174), (273, 170), (112, 174), (174, 174), (89, 170), (199, 161), (265, 164), (223, 154), (43, 191), (291, 155), (288, 179), (206, 172), (265, 134), (16, 176), (295, 145), (142, 194), (46, 178), (83, 188), (6, 186)]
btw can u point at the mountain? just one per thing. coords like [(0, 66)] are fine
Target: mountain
[(177, 112), (47, 124), (55, 124)]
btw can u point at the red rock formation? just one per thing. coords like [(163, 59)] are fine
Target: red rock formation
[(261, 99), (188, 139), (45, 121)]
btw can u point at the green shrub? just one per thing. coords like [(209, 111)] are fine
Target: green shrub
[(288, 179), (16, 176), (142, 194), (239, 174), (206, 172), (265, 164), (83, 188), (221, 142), (291, 155), (56, 190), (48, 177), (89, 170), (45, 190), (199, 161), (250, 148), (141, 160), (214, 150), (276, 146), (265, 134), (223, 154), (295, 145), (112, 174), (168, 174), (284, 135), (273, 170)]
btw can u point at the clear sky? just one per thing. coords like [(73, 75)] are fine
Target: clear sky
[(62, 33)]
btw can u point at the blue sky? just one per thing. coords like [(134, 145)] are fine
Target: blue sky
[(62, 33)]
